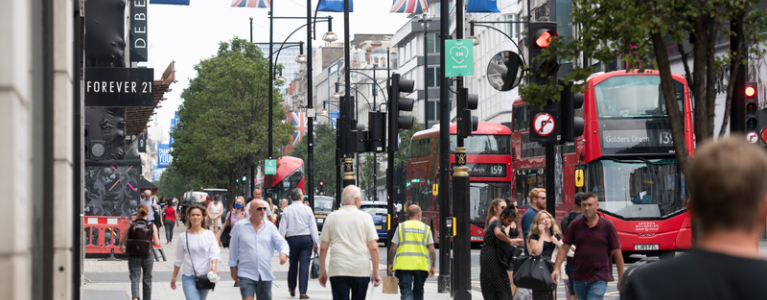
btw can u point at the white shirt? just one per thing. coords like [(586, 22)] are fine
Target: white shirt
[(298, 219), (349, 230), (204, 249)]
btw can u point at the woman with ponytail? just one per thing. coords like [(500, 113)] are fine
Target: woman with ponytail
[(139, 236)]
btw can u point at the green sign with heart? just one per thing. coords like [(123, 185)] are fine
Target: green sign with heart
[(459, 60)]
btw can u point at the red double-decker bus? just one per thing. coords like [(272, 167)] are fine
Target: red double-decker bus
[(290, 175), (626, 157), (488, 159)]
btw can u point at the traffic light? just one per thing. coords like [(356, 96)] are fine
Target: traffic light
[(322, 187), (572, 126), (541, 35), (544, 123), (244, 178), (466, 122), (399, 85), (751, 105), (376, 131)]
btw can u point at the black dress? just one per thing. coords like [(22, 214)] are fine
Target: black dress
[(493, 277), (548, 251), (506, 252)]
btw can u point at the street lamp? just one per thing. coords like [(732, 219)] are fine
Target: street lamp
[(330, 37), (301, 59), (425, 25), (476, 40)]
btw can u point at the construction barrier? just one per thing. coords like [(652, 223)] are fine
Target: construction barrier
[(102, 236)]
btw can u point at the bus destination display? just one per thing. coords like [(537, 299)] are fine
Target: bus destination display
[(638, 138), (486, 170)]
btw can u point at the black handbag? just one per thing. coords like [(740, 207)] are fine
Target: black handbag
[(200, 282), (225, 238), (533, 272), (315, 272)]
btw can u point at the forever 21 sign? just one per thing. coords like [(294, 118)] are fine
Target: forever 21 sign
[(119, 87)]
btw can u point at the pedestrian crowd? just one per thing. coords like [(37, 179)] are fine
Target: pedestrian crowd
[(727, 202)]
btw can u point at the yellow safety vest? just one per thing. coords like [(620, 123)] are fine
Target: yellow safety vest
[(412, 253)]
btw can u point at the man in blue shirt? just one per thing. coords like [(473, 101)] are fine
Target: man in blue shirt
[(250, 253), (537, 203)]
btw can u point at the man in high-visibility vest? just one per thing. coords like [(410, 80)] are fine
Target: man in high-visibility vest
[(415, 259)]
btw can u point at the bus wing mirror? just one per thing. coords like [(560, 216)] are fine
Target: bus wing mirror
[(579, 178)]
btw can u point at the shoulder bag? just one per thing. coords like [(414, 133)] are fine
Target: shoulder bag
[(315, 270), (533, 272), (200, 282), (225, 238)]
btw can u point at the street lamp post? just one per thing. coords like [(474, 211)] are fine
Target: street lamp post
[(425, 24), (348, 165)]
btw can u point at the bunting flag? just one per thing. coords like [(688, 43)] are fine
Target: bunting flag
[(409, 6), (171, 2), (252, 3), (334, 6), (482, 6)]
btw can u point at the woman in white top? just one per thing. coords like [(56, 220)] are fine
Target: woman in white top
[(197, 253), (216, 209)]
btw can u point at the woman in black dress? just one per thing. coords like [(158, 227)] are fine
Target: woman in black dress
[(494, 279), (543, 239)]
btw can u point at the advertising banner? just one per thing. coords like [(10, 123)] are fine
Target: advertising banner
[(163, 156)]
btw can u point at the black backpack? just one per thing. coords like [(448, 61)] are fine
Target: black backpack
[(569, 218), (139, 238)]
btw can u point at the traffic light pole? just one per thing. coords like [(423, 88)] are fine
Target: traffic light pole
[(309, 105), (391, 138), (443, 281), (348, 162)]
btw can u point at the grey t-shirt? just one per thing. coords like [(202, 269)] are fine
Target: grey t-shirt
[(395, 238)]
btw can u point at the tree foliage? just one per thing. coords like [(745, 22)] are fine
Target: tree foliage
[(636, 32), (324, 157), (224, 117), (173, 184)]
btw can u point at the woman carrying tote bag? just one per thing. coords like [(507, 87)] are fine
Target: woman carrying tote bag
[(543, 240), (197, 254)]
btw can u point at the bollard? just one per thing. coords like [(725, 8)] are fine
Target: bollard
[(111, 256)]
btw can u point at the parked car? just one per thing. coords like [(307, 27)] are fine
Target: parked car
[(379, 212), (323, 205)]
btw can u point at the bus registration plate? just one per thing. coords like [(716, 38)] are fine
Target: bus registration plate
[(476, 238), (646, 247)]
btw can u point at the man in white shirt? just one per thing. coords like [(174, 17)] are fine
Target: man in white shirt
[(352, 235), (250, 253), (299, 228)]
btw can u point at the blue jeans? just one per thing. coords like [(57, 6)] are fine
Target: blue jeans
[(342, 285), (591, 290), (190, 290), (300, 255), (261, 289), (411, 284)]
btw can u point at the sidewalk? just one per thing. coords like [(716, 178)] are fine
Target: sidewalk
[(110, 280)]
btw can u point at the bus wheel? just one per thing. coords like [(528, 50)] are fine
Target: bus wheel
[(667, 255)]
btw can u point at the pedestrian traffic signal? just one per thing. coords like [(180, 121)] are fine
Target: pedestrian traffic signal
[(572, 126), (542, 34), (751, 105), (399, 85), (466, 122)]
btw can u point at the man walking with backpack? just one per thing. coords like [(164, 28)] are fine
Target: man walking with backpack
[(571, 216)]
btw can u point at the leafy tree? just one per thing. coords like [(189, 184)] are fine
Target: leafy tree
[(324, 157), (637, 33), (173, 184), (224, 117)]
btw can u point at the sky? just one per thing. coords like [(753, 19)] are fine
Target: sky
[(188, 34)]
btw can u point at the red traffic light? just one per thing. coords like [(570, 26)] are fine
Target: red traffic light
[(321, 183), (763, 135), (750, 91), (544, 38)]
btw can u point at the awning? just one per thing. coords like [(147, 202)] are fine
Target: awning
[(137, 117)]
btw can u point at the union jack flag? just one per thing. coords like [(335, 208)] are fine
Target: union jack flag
[(251, 3), (298, 120), (409, 6)]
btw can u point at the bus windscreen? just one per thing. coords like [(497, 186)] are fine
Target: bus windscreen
[(633, 97), (484, 144)]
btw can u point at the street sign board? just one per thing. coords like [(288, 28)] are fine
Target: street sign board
[(119, 87), (459, 60), (752, 137), (142, 143), (138, 34), (163, 156), (270, 167), (543, 124)]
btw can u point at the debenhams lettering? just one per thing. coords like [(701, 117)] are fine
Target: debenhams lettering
[(113, 87)]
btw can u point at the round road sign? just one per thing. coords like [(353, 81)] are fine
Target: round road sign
[(543, 124), (752, 137)]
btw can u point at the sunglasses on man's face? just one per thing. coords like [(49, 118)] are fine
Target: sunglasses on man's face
[(260, 208)]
